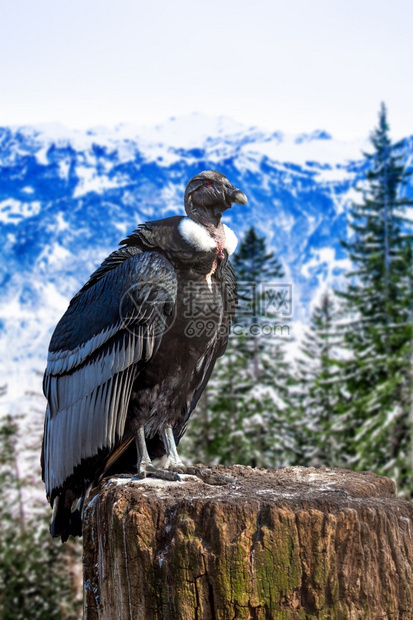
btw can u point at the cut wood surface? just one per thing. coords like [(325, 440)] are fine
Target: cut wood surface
[(295, 543)]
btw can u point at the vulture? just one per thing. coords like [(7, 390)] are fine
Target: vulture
[(131, 356)]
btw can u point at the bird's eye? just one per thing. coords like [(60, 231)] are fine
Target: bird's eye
[(208, 183)]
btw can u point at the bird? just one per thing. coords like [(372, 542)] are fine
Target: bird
[(134, 351)]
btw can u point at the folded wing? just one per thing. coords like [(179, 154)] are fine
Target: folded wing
[(107, 335)]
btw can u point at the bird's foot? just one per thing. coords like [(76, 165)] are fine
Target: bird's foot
[(205, 474), (172, 473), (145, 466), (149, 470), (164, 474)]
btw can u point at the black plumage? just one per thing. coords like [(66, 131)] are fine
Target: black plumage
[(134, 351)]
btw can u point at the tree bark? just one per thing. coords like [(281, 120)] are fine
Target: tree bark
[(294, 544)]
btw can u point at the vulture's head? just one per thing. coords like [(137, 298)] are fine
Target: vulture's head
[(208, 195)]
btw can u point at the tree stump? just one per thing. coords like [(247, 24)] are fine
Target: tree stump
[(294, 544)]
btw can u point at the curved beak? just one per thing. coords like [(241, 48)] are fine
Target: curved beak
[(237, 196)]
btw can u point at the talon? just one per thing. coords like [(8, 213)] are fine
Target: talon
[(189, 470), (163, 474), (178, 470), (194, 471)]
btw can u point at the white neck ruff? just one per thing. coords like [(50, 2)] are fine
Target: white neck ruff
[(198, 236)]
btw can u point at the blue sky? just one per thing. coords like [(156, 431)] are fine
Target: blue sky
[(294, 66)]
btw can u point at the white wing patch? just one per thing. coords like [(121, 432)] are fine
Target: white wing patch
[(87, 409), (63, 361)]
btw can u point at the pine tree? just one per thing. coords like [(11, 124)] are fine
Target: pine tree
[(35, 581), (245, 414), (253, 263), (320, 397), (379, 301)]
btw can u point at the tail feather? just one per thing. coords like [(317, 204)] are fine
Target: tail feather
[(67, 515), (116, 454), (68, 505)]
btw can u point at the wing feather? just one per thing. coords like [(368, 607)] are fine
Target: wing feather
[(110, 330)]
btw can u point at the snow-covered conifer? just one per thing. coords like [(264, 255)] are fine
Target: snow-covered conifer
[(379, 301)]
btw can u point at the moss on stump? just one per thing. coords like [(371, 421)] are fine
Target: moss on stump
[(294, 544)]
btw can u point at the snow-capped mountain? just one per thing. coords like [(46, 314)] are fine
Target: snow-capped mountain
[(68, 197)]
